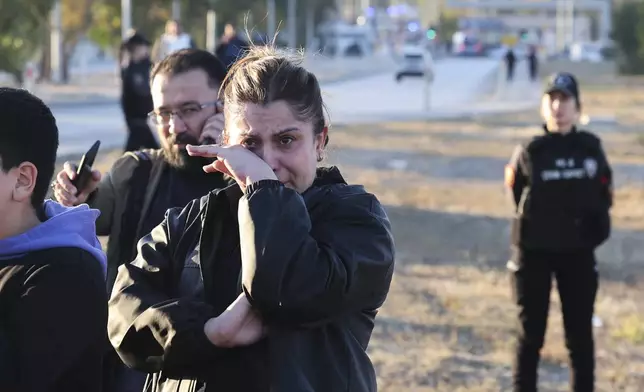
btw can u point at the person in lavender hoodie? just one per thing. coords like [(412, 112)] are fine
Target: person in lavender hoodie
[(53, 304)]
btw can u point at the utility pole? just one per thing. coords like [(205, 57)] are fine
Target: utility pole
[(270, 20), (310, 26), (126, 17), (211, 31), (560, 24), (292, 24), (176, 9), (56, 37), (570, 39)]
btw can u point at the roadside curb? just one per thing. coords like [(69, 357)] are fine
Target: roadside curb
[(471, 114), (104, 99), (75, 151), (87, 100)]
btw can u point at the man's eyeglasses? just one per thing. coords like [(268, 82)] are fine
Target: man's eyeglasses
[(185, 113)]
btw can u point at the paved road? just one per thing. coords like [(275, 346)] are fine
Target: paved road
[(368, 99), (81, 125), (379, 98)]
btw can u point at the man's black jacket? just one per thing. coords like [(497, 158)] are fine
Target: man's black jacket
[(317, 266), (53, 315)]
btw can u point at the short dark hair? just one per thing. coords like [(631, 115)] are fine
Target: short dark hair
[(187, 60), (28, 133)]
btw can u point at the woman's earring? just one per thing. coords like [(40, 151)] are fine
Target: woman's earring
[(320, 158)]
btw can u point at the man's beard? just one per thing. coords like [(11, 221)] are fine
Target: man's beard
[(179, 158)]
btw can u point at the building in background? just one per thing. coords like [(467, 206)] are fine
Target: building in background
[(569, 20), (555, 24)]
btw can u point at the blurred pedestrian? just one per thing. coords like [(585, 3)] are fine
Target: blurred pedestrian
[(172, 40), (231, 47), (510, 63), (136, 98), (533, 63)]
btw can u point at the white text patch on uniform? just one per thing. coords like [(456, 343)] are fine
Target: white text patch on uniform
[(566, 170)]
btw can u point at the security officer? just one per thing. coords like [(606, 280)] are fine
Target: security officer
[(136, 98), (561, 188)]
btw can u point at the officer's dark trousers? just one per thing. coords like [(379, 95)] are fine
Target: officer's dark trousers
[(577, 283)]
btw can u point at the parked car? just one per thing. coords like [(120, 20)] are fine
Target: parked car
[(470, 46)]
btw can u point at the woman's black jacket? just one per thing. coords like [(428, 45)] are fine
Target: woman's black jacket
[(317, 266)]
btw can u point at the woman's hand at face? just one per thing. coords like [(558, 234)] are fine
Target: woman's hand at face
[(235, 161)]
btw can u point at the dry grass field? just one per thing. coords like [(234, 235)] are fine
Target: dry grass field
[(448, 322)]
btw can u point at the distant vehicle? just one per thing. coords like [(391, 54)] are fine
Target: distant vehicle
[(341, 39), (469, 46), (417, 62), (489, 31), (587, 51)]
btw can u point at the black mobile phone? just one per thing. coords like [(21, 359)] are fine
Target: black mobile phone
[(84, 170), (209, 140)]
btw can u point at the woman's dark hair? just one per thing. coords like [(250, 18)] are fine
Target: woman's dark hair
[(264, 75)]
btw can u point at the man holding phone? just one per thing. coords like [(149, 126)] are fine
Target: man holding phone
[(134, 196)]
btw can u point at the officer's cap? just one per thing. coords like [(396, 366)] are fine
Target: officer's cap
[(565, 83)]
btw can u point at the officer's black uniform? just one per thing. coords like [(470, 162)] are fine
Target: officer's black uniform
[(136, 98), (561, 188)]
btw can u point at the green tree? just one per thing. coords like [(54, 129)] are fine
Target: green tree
[(76, 22), (105, 30), (628, 34), (228, 11), (250, 15), (22, 26), (149, 17)]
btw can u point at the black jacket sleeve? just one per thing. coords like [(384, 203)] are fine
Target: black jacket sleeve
[(516, 176), (596, 225), (605, 171), (606, 176), (59, 316), (150, 330), (297, 274)]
